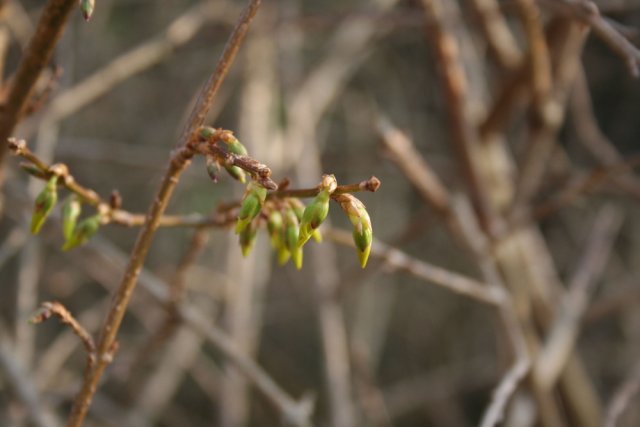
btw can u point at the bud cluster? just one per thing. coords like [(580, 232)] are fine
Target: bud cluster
[(291, 224)]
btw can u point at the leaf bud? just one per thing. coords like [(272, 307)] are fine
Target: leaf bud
[(252, 202), (44, 203)]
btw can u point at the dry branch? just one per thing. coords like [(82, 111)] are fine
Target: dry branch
[(36, 58), (179, 161)]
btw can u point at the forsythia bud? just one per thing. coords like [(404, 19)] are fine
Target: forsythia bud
[(362, 231), (45, 201), (70, 213), (212, 168), (316, 212), (291, 233), (236, 173), (86, 7), (252, 202), (247, 237), (274, 225), (83, 232)]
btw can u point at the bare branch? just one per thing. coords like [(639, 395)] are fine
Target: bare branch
[(622, 397)]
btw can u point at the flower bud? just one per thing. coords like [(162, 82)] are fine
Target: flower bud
[(251, 206), (291, 228), (274, 226), (236, 173), (247, 237), (83, 232), (212, 168), (45, 202), (234, 146), (314, 215), (362, 230), (87, 7), (70, 213)]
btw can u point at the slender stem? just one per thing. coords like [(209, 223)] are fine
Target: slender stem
[(178, 162), (36, 57)]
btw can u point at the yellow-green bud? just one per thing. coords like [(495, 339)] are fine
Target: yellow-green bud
[(236, 173), (70, 213), (275, 225), (252, 202), (83, 232), (362, 230), (247, 237), (314, 215), (45, 202), (87, 7), (234, 146), (291, 229)]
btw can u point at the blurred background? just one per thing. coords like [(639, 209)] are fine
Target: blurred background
[(318, 87)]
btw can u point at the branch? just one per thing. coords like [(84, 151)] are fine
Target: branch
[(451, 281), (36, 58), (622, 397), (179, 160), (587, 12), (506, 388), (565, 330), (49, 309)]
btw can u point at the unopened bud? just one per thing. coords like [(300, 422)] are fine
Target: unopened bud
[(291, 228), (274, 226), (70, 213), (247, 237), (254, 197), (87, 7), (45, 202), (83, 232), (314, 215), (236, 173), (362, 230)]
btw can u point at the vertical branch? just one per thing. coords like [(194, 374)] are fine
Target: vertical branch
[(179, 161), (464, 135), (36, 58)]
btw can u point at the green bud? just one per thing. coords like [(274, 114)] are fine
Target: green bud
[(87, 7), (83, 232), (291, 233), (70, 213), (362, 230), (236, 173), (45, 202), (252, 202), (317, 235), (247, 237), (206, 132), (314, 215), (212, 168), (234, 146), (274, 226)]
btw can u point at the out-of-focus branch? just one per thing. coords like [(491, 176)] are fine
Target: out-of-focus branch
[(454, 282), (565, 57), (179, 160), (589, 134), (36, 58), (587, 12), (500, 40), (463, 133), (19, 381), (178, 33), (565, 330), (505, 390), (622, 397)]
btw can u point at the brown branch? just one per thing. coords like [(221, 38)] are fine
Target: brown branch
[(500, 40), (587, 12), (565, 330), (36, 58), (398, 260), (463, 133), (179, 160), (372, 184), (49, 309), (622, 397)]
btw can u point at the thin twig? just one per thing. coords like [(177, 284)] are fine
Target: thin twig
[(49, 309), (565, 330), (36, 58), (587, 12), (506, 388), (622, 397), (500, 40), (449, 280), (179, 161)]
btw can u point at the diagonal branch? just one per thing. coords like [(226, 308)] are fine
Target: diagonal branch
[(36, 58), (180, 159)]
